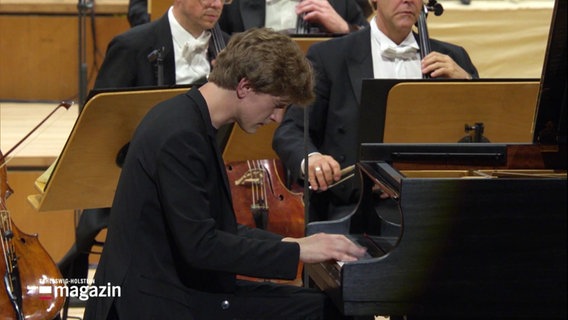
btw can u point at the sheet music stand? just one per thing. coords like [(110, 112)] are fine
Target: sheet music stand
[(436, 111), (86, 173)]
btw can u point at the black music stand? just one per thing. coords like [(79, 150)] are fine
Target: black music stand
[(83, 7)]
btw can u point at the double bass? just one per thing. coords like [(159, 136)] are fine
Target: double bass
[(261, 200), (29, 274), (30, 277)]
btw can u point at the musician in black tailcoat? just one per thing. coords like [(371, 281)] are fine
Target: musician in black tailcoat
[(340, 66), (183, 33), (323, 16), (184, 40), (138, 12)]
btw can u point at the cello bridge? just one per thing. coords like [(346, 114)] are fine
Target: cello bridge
[(251, 177)]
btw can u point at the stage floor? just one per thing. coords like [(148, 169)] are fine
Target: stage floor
[(18, 119)]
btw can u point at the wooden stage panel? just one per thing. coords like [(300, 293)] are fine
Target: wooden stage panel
[(42, 49), (55, 230), (60, 6)]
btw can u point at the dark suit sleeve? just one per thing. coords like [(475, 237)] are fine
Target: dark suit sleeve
[(353, 15), (465, 62), (127, 64), (257, 233), (288, 140), (194, 218), (231, 20), (120, 66), (458, 54)]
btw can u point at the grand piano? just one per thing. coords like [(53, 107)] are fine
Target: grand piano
[(468, 229)]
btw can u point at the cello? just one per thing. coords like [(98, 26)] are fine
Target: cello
[(30, 277), (261, 200)]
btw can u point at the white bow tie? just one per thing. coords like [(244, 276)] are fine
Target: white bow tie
[(196, 46), (404, 53)]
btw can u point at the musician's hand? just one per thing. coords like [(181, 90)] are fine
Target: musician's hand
[(323, 247), (321, 12), (323, 171), (441, 65)]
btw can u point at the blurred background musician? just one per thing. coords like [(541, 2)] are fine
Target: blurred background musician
[(185, 38), (340, 65), (367, 7), (138, 12), (185, 43), (333, 16)]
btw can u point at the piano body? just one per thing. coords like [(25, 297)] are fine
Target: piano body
[(469, 229), (481, 240)]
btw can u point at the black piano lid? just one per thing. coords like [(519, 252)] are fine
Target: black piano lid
[(550, 122)]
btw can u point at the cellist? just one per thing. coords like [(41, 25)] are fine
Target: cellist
[(387, 49)]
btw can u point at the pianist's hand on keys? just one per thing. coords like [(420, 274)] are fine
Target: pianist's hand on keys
[(324, 247)]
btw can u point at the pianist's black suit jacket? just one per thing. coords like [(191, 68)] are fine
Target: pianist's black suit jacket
[(173, 244), (340, 66), (126, 62), (242, 15)]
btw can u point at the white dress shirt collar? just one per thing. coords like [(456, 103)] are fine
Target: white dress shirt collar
[(393, 68), (192, 69)]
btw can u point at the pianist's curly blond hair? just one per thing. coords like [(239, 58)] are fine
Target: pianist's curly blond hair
[(271, 61)]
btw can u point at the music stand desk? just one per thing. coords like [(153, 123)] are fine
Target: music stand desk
[(86, 173), (436, 111)]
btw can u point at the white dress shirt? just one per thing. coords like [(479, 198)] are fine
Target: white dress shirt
[(281, 14), (384, 67), (190, 53)]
